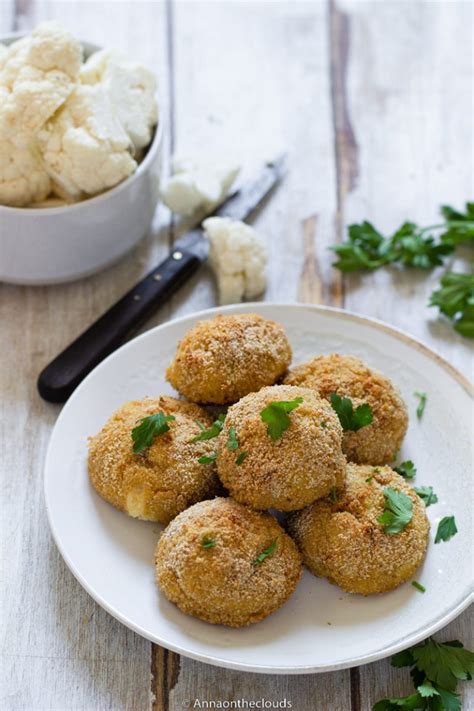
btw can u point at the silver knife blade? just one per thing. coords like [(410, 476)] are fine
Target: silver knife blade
[(238, 206)]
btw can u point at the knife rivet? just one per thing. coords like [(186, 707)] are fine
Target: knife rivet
[(136, 297), (177, 256), (157, 277)]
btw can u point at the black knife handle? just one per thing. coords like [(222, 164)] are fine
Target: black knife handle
[(58, 380)]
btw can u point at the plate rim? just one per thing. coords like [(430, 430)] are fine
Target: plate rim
[(218, 661)]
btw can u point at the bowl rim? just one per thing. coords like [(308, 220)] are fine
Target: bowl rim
[(153, 148)]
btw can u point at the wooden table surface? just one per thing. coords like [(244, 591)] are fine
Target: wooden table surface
[(373, 102)]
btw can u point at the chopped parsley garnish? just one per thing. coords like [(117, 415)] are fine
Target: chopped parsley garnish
[(398, 511), (418, 586), (232, 442), (446, 529), (350, 419), (406, 469), (143, 435), (275, 415), (436, 669), (333, 494), (264, 554), (427, 494), (241, 458), (208, 458), (324, 424), (208, 542), (211, 432), (422, 404), (369, 479)]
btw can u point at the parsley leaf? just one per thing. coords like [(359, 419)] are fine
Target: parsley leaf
[(423, 397), (208, 458), (275, 415), (410, 245), (210, 433), (406, 469), (264, 554), (398, 511), (444, 663), (427, 494), (446, 529), (232, 442), (455, 299), (241, 458), (410, 703), (208, 542), (436, 670), (349, 418), (419, 587), (144, 433)]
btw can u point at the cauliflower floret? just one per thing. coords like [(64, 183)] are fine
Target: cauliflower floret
[(38, 74), (197, 184), (237, 258), (84, 146), (23, 179), (131, 88)]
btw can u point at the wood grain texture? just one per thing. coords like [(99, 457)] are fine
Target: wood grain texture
[(370, 101)]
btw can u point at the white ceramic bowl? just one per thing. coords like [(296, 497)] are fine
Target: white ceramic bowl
[(58, 244)]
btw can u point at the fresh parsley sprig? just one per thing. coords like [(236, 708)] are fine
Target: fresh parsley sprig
[(398, 511), (426, 494), (143, 435), (275, 415), (455, 299), (410, 245), (211, 431), (350, 419), (436, 669), (446, 529), (406, 469)]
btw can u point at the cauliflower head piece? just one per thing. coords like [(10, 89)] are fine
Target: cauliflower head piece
[(131, 89), (23, 179), (37, 75), (198, 184), (237, 258), (84, 146)]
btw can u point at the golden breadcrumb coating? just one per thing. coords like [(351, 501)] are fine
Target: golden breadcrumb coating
[(164, 479), (291, 472), (222, 584), (222, 359), (348, 376), (343, 541)]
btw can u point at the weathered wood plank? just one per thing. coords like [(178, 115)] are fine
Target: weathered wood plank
[(412, 119)]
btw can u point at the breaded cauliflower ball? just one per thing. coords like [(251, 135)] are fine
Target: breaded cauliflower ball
[(348, 376), (343, 541), (226, 564), (165, 478), (222, 359), (288, 473)]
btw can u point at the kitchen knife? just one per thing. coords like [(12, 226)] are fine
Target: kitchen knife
[(58, 380)]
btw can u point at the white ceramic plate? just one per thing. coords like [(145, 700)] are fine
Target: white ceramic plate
[(320, 628)]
